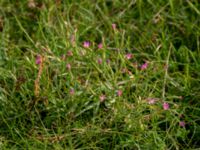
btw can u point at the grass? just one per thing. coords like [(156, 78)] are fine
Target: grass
[(70, 98)]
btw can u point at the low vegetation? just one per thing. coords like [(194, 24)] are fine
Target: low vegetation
[(100, 74)]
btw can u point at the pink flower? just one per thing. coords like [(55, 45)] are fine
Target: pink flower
[(100, 45), (68, 66), (86, 44), (129, 56), (119, 93), (69, 53), (114, 26), (144, 66), (108, 61), (165, 106), (71, 92), (99, 61), (182, 123), (38, 60), (102, 98)]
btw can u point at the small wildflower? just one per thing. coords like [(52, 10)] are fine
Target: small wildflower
[(69, 53), (102, 98), (114, 26), (129, 56), (68, 66), (38, 60), (71, 92), (182, 123), (86, 44), (119, 93), (108, 61), (165, 106), (100, 45), (99, 61), (144, 66)]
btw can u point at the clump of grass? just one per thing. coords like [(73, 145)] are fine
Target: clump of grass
[(99, 75)]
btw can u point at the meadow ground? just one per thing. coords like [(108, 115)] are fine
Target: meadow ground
[(100, 74)]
